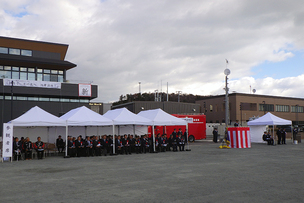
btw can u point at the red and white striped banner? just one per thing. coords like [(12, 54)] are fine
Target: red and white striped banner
[(239, 137)]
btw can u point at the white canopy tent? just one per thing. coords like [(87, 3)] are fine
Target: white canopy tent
[(160, 118), (83, 116), (123, 116), (267, 119), (37, 117)]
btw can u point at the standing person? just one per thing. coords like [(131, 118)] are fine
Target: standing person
[(180, 132), (27, 148), (215, 134), (279, 134), (104, 143), (294, 133), (60, 144), (284, 136), (236, 124), (39, 146), (174, 133)]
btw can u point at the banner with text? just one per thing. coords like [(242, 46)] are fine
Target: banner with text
[(31, 83), (7, 149)]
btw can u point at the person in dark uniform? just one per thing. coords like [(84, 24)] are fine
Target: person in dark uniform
[(119, 145), (88, 146), (27, 148), (145, 144), (294, 133), (17, 147), (215, 134), (60, 144), (174, 143), (157, 142), (137, 144), (71, 146), (105, 144), (174, 133), (80, 147), (279, 134), (284, 136), (163, 143), (126, 143), (96, 146), (267, 137), (181, 143), (170, 143), (39, 147), (110, 144), (132, 144)]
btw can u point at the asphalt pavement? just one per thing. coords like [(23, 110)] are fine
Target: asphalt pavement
[(205, 174)]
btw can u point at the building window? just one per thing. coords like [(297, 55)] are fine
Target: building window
[(14, 51), (26, 52), (211, 108), (3, 50), (282, 108), (297, 109), (266, 107), (248, 106)]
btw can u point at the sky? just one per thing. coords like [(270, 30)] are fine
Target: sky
[(119, 43)]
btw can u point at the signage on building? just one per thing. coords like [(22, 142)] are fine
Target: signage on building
[(188, 120), (84, 90), (31, 83), (7, 145)]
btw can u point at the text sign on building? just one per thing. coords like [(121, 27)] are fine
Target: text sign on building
[(31, 83), (188, 120), (7, 147), (84, 90)]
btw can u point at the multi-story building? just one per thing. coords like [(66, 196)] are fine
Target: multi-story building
[(33, 73), (244, 106)]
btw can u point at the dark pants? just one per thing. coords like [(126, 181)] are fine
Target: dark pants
[(284, 139), (28, 154), (215, 138), (60, 149), (279, 139), (72, 152), (105, 151), (39, 154), (97, 151), (181, 147)]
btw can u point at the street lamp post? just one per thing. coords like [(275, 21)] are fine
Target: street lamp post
[(227, 72)]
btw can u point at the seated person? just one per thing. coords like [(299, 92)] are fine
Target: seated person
[(39, 147), (17, 147), (60, 144), (27, 148), (267, 137)]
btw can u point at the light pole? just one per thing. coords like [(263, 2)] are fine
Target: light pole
[(178, 92), (226, 72)]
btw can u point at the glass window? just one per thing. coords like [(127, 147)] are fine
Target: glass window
[(74, 100), (14, 51), (64, 100), (60, 72), (44, 99), (15, 75), (31, 76), (21, 98), (23, 76), (54, 78), (54, 71), (33, 99), (1, 67), (10, 97), (26, 52), (46, 77), (1, 97), (55, 99), (32, 70), (47, 71), (15, 68), (84, 100), (282, 108), (23, 69), (5, 74), (39, 77), (7, 68), (39, 70), (3, 50), (60, 78)]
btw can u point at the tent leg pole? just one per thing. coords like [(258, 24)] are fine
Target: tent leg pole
[(153, 139), (113, 139)]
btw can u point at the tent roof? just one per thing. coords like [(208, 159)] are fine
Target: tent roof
[(269, 119), (161, 118), (123, 116), (84, 116), (37, 117)]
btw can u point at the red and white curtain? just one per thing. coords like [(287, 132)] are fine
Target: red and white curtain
[(239, 137)]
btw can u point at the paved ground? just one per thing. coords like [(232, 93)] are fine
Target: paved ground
[(205, 174)]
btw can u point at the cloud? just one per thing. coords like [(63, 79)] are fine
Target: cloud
[(118, 43)]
